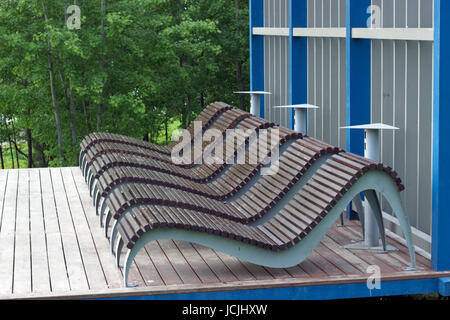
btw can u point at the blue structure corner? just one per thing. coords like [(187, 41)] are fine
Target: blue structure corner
[(256, 10), (440, 242), (358, 79), (298, 56), (444, 287)]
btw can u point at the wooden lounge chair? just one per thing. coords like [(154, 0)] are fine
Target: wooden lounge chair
[(285, 239), (274, 220), (227, 120), (250, 204), (199, 173), (206, 117), (224, 186)]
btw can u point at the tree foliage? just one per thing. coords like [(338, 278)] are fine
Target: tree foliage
[(134, 67)]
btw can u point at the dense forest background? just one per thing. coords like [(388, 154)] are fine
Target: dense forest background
[(137, 67)]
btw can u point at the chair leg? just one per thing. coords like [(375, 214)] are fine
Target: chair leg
[(372, 198), (118, 250)]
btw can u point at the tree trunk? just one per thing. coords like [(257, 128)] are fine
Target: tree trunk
[(16, 148), (73, 114), (86, 117), (189, 108), (202, 100), (1, 155), (239, 79), (53, 93), (166, 124), (10, 144), (100, 105), (41, 161), (30, 148)]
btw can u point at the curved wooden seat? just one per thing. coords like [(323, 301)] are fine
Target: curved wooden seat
[(206, 117), (199, 173), (250, 206), (289, 236), (228, 184), (229, 119)]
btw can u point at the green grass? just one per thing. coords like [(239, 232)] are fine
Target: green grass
[(23, 162)]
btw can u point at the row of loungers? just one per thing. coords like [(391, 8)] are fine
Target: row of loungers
[(273, 219)]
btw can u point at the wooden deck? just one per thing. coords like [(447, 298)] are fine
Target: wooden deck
[(51, 246)]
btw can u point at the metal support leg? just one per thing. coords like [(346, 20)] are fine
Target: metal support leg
[(107, 222), (112, 238), (118, 250)]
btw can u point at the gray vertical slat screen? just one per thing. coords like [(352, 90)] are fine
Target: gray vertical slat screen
[(276, 62), (327, 73), (401, 89), (402, 96)]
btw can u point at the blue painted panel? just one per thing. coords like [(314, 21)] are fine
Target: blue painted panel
[(358, 75), (358, 80), (257, 50), (298, 56), (440, 243), (444, 287), (326, 292)]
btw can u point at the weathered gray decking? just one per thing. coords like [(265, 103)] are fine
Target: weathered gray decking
[(51, 246)]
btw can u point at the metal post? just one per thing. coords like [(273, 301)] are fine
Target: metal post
[(371, 151), (255, 100), (300, 116)]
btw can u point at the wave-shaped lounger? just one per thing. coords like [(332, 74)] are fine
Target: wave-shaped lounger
[(200, 173), (221, 188), (255, 201), (206, 117), (106, 155), (225, 121), (288, 237)]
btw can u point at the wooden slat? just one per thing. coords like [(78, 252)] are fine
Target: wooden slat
[(91, 263), (162, 264), (215, 264), (147, 269), (198, 265), (112, 274), (22, 254), (179, 263), (74, 261), (7, 230), (39, 257), (56, 258)]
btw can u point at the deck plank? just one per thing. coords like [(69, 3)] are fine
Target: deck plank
[(74, 261), (162, 264), (201, 269), (179, 263), (7, 230), (112, 274), (61, 249), (236, 267), (215, 264), (22, 253), (56, 257), (92, 266), (39, 257), (370, 258), (147, 269)]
